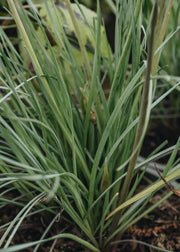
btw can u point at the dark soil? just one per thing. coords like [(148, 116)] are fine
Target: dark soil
[(157, 133), (160, 228)]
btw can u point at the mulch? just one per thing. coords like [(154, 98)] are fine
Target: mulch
[(160, 228)]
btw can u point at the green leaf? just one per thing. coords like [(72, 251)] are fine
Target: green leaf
[(146, 192), (105, 183)]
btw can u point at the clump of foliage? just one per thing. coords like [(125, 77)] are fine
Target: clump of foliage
[(66, 146)]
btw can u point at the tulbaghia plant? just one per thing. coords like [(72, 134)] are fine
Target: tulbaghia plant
[(69, 146)]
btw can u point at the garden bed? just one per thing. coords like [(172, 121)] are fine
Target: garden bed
[(160, 228)]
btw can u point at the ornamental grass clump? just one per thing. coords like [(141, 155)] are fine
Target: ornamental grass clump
[(69, 147)]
